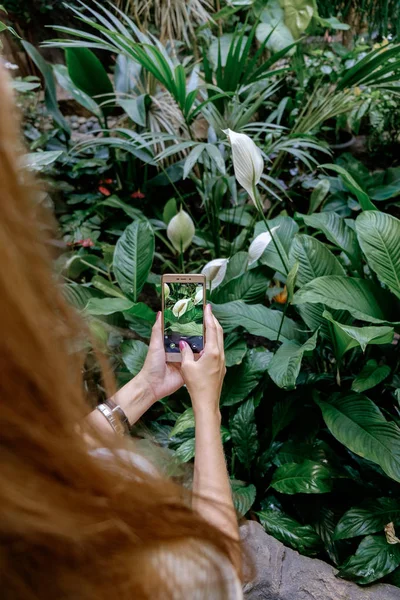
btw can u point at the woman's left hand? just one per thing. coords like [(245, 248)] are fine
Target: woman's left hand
[(159, 377)]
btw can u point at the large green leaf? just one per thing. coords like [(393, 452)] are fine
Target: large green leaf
[(133, 257), (36, 161), (50, 93), (379, 235), (314, 258), (79, 295), (362, 298), (134, 354), (183, 422), (370, 517), (307, 477), (243, 496), (283, 236), (242, 379), (107, 287), (250, 287), (359, 424), (374, 559), (298, 15), (289, 531), (107, 306), (353, 186), (345, 337), (283, 413), (286, 362), (371, 375), (235, 349), (312, 317), (186, 450), (318, 195), (256, 319), (244, 433), (64, 80), (88, 74), (337, 231)]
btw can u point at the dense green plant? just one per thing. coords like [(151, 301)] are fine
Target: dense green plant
[(311, 402)]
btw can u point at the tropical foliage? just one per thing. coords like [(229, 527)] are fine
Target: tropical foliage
[(302, 263)]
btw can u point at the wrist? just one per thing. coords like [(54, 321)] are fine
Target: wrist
[(134, 395), (210, 415)]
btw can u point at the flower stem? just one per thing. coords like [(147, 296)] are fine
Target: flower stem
[(260, 210), (283, 318)]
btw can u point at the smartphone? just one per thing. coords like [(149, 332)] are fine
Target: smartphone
[(183, 303)]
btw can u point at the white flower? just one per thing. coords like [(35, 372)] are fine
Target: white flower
[(180, 307), (199, 296), (259, 244), (11, 66), (167, 291), (247, 160), (215, 271), (180, 231)]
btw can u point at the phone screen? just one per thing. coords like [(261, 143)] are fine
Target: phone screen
[(183, 316)]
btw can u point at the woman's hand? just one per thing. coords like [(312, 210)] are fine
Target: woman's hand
[(205, 376), (161, 378)]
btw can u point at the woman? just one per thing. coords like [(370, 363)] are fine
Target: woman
[(75, 521)]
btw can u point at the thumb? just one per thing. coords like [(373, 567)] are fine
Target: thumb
[(186, 352)]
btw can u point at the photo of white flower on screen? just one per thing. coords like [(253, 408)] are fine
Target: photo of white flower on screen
[(183, 316)]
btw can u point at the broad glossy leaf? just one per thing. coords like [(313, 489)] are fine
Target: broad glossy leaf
[(142, 311), (370, 517), (107, 306), (133, 257), (289, 531), (373, 559), (371, 375), (298, 15), (287, 228), (135, 108), (65, 81), (315, 260), (88, 74), (379, 235), (307, 477), (312, 317), (183, 422), (131, 211), (353, 186), (362, 298), (186, 450), (337, 232), (286, 362), (291, 281), (107, 287), (346, 337), (243, 496), (244, 433), (50, 94), (319, 194), (79, 295), (134, 354), (242, 379), (251, 287), (359, 424), (235, 349), (36, 161), (256, 319)]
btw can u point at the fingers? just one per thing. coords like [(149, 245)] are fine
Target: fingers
[(220, 335), (156, 340), (211, 329), (186, 352)]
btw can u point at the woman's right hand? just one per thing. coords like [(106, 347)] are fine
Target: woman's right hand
[(205, 376)]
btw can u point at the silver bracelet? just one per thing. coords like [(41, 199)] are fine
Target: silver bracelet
[(113, 419)]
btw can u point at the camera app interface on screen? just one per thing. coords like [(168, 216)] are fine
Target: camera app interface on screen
[(183, 316)]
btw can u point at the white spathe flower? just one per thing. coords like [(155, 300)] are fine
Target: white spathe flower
[(199, 296), (180, 231), (215, 271), (248, 162), (180, 307), (259, 245), (167, 291)]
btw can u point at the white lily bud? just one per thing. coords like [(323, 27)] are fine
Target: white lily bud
[(181, 231), (167, 291), (215, 271), (259, 245), (199, 296), (180, 307), (248, 162)]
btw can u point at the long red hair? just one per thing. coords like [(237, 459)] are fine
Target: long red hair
[(69, 527)]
